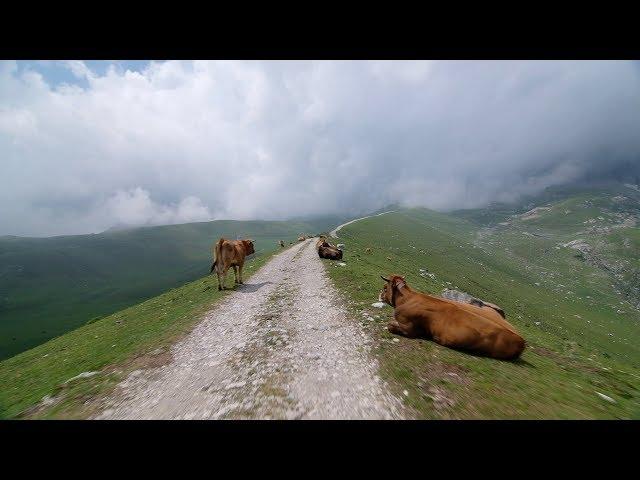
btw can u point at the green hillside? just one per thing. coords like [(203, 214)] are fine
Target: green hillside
[(578, 311), (49, 286), (567, 275), (109, 349)]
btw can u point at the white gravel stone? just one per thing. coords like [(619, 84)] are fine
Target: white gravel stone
[(82, 375), (606, 397)]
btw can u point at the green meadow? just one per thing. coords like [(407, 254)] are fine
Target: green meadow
[(582, 358), (577, 309), (115, 345)]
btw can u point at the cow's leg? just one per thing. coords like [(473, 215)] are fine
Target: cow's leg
[(220, 282), (235, 273), (404, 329), (240, 269), (224, 277)]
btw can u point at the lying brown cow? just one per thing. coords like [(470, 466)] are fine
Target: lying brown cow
[(325, 250), (322, 240), (230, 253), (302, 238), (452, 324)]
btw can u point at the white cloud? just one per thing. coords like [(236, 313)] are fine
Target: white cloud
[(188, 141), (135, 207), (79, 69)]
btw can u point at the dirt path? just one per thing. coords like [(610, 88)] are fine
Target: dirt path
[(281, 347), (334, 232)]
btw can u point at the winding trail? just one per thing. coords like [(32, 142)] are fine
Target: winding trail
[(334, 232), (280, 347)]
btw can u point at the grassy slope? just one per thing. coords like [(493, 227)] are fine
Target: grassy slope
[(49, 286), (570, 354), (566, 321), (136, 337)]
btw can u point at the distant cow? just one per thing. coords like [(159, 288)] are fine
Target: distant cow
[(281, 243), (463, 326), (327, 251), (367, 250), (302, 238), (230, 253)]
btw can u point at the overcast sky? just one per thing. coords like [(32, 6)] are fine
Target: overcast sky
[(88, 145)]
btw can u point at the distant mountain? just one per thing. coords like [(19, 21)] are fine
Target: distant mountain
[(599, 223), (119, 227)]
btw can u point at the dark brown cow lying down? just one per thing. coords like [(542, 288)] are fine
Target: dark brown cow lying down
[(326, 250), (463, 326), (230, 253), (321, 241)]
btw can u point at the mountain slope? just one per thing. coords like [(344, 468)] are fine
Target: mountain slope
[(49, 286), (135, 338), (572, 304), (583, 358)]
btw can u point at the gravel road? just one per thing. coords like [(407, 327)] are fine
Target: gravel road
[(281, 346)]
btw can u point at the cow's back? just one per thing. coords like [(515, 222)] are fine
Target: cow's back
[(239, 253), (488, 313), (460, 327), (231, 253), (485, 311), (464, 326)]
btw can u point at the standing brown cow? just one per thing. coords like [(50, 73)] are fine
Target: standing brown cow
[(230, 253), (452, 324)]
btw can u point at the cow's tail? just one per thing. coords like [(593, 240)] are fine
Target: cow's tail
[(217, 253)]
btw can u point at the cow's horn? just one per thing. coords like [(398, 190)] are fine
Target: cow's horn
[(385, 279)]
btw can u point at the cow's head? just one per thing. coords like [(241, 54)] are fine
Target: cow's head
[(391, 287), (248, 245)]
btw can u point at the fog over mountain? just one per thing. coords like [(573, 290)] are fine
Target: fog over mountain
[(88, 145)]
